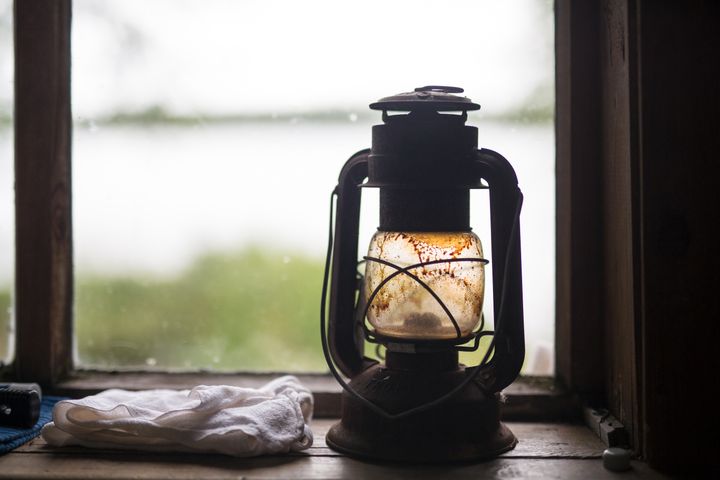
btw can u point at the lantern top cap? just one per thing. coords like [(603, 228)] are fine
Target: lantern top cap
[(430, 98)]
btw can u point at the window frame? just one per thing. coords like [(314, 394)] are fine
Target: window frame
[(44, 259), (636, 128), (43, 233)]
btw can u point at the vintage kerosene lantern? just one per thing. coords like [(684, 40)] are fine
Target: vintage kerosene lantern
[(421, 294)]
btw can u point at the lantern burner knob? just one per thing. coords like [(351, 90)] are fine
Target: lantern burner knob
[(439, 89)]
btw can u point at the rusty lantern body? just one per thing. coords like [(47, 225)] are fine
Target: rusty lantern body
[(422, 288)]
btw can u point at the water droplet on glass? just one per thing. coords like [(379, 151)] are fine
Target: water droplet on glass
[(353, 117), (150, 362), (216, 359), (286, 259)]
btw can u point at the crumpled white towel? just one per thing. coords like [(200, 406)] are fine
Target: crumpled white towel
[(235, 421)]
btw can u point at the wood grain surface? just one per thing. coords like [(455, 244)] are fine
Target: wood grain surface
[(545, 450)]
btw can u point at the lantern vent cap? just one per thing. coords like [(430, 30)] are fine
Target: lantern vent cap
[(430, 98)]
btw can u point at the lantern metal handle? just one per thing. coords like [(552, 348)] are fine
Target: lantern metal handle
[(505, 204), (345, 341)]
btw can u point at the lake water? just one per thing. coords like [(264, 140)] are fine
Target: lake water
[(151, 199)]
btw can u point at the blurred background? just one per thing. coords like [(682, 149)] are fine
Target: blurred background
[(208, 137)]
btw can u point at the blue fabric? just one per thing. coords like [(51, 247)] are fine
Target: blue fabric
[(11, 438)]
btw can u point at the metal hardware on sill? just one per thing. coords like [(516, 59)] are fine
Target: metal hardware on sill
[(608, 428)]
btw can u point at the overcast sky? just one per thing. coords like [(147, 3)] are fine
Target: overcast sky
[(235, 56), (230, 56)]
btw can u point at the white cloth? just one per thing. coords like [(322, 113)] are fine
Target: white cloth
[(235, 421)]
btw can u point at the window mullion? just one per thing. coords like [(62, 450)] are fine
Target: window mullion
[(43, 130)]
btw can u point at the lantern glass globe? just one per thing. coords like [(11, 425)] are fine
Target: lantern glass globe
[(403, 307)]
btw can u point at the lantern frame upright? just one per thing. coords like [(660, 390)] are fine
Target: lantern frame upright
[(421, 404)]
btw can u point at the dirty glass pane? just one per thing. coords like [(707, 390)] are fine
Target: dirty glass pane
[(7, 212), (209, 135)]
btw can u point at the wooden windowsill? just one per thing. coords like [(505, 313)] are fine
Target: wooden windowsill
[(527, 399), (545, 450)]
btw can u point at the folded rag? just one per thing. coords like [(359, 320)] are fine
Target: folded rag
[(235, 421)]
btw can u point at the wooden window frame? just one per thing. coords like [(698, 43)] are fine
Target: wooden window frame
[(599, 279), (44, 259), (636, 91), (612, 143), (43, 232)]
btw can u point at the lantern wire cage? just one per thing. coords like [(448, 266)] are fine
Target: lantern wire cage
[(473, 377), (459, 346), (373, 337)]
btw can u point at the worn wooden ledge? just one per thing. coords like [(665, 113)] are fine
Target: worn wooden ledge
[(545, 450), (526, 399)]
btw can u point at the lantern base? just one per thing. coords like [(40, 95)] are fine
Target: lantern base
[(466, 427)]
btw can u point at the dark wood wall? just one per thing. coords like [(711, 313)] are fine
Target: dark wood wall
[(638, 260), (679, 259)]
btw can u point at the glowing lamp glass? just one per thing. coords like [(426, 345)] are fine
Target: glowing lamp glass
[(403, 307)]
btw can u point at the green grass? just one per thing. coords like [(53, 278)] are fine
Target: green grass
[(248, 310)]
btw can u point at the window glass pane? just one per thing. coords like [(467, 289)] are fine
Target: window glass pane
[(7, 205), (206, 146)]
